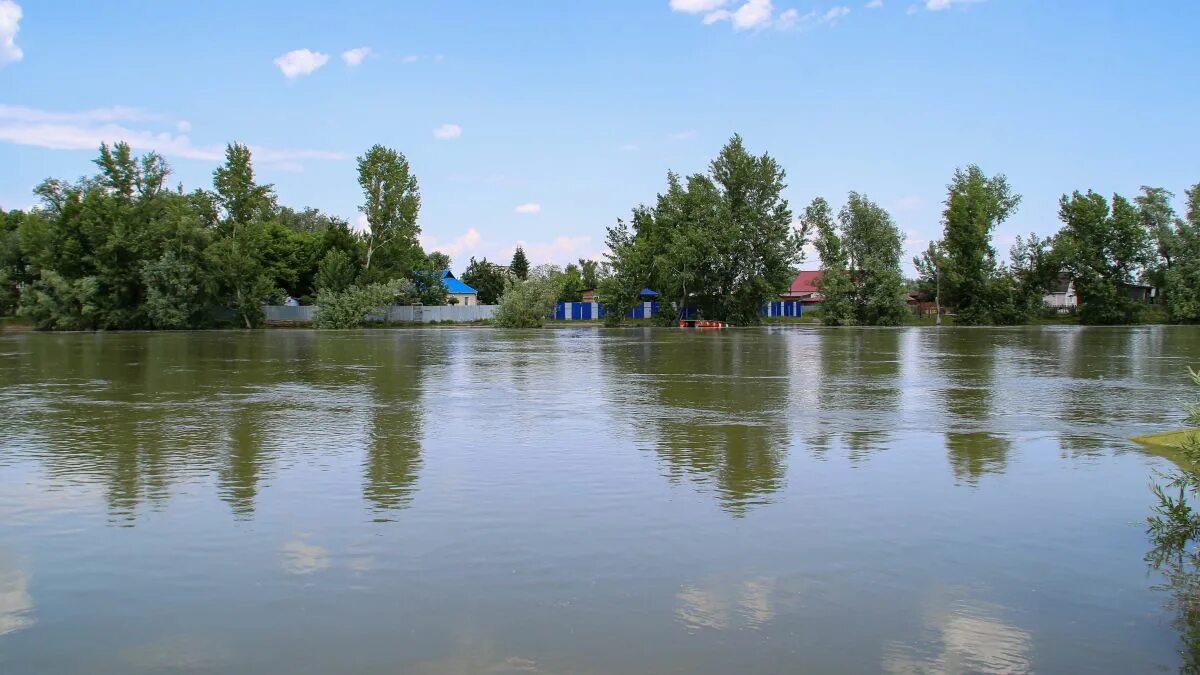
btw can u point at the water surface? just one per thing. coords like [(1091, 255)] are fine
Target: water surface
[(584, 501)]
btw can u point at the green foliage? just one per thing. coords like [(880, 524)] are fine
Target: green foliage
[(519, 267), (55, 303), (1103, 249), (529, 303), (873, 246), (835, 284), (336, 271), (391, 202), (177, 295), (349, 308), (975, 206), (238, 195), (488, 280), (721, 242), (589, 273), (860, 279), (1182, 275), (571, 284)]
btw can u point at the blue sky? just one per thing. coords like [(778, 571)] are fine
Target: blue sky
[(543, 121)]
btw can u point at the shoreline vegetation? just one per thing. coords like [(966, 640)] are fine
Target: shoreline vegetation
[(121, 250)]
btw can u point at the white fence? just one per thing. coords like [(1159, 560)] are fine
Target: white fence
[(395, 313)]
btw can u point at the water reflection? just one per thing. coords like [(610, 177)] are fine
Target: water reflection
[(396, 422), (966, 360), (721, 604), (302, 558), (858, 393), (712, 406), (961, 636), (139, 413), (16, 604)]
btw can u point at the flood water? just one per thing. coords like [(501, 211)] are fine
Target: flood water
[(770, 500)]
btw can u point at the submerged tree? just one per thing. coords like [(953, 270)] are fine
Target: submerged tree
[(873, 246), (1104, 249), (975, 205), (721, 242), (835, 283)]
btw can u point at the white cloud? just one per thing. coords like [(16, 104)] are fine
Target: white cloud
[(529, 209), (939, 5), (447, 132), (560, 251), (356, 56), (10, 19), (835, 13), (411, 58), (183, 126), (697, 6), (788, 19), (361, 224), (87, 129), (300, 62), (682, 136), (875, 4), (466, 243), (753, 14)]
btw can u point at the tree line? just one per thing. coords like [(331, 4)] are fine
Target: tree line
[(121, 250)]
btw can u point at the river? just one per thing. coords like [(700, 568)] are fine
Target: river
[(780, 499)]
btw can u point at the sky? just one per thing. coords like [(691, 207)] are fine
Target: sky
[(541, 122)]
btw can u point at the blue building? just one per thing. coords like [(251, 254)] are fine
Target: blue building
[(465, 295)]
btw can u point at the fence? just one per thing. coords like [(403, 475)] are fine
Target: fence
[(587, 311), (394, 314)]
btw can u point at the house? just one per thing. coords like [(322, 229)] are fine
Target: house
[(804, 289), (588, 295), (920, 303), (458, 290), (1061, 296)]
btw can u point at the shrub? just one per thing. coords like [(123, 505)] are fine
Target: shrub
[(349, 308), (527, 304)]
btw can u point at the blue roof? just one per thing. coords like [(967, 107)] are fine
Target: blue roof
[(647, 291), (454, 285)]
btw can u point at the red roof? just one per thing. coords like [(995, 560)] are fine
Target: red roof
[(805, 282)]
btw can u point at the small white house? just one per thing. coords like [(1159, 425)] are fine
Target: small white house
[(1062, 295)]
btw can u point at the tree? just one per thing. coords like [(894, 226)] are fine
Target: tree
[(1103, 249), (929, 265), (519, 265), (487, 279), (1182, 276), (437, 260), (589, 273), (722, 242), (349, 308), (975, 206), (1161, 223), (873, 245), (243, 200), (392, 200), (336, 272), (245, 280), (835, 283), (571, 285), (528, 303)]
